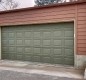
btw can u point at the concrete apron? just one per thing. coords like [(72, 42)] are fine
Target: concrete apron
[(43, 69)]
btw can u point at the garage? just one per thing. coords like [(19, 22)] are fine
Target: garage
[(47, 43)]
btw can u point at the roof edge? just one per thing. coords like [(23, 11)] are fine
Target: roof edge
[(46, 6)]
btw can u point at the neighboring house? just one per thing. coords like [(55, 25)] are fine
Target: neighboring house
[(50, 34)]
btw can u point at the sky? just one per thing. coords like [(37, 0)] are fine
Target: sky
[(22, 4), (25, 3)]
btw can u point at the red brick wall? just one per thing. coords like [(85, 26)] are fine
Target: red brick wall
[(75, 12)]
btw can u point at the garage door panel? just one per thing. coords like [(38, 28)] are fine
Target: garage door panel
[(12, 56), (29, 53), (36, 58), (37, 43), (46, 51), (19, 57), (69, 52), (69, 42), (27, 34), (69, 33), (58, 60), (4, 35), (5, 42), (6, 56), (28, 42), (48, 43), (11, 34), (11, 49), (46, 35), (4, 49), (27, 50), (11, 42), (19, 42), (27, 57), (57, 42), (19, 50), (37, 35), (68, 61), (46, 59), (57, 33), (19, 34), (37, 51), (57, 51)]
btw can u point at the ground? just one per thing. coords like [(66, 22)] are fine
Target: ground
[(15, 70), (12, 75)]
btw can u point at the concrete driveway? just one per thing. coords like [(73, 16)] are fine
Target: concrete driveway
[(16, 70), (13, 75)]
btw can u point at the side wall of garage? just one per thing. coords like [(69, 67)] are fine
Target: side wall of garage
[(52, 14), (81, 35)]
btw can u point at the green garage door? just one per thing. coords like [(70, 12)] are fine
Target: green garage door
[(48, 43)]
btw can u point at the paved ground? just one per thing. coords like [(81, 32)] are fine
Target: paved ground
[(12, 75), (16, 70)]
